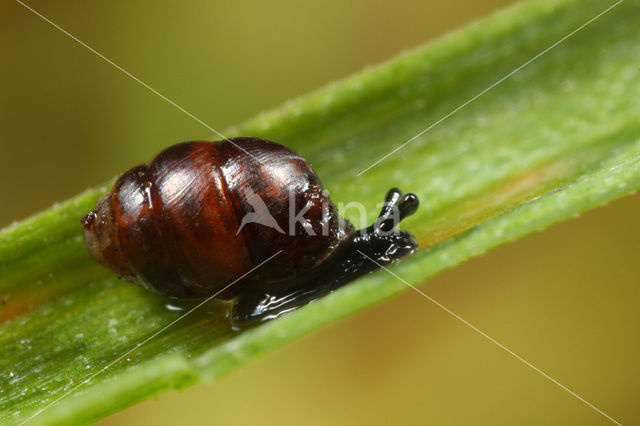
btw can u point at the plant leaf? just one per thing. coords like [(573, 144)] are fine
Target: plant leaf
[(556, 138)]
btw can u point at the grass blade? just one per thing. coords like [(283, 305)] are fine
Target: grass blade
[(556, 138)]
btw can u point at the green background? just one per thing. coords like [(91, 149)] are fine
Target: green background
[(566, 300)]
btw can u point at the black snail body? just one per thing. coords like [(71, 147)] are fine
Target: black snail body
[(203, 215)]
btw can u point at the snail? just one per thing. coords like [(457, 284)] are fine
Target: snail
[(203, 215)]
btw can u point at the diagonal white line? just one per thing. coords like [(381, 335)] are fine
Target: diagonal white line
[(482, 333), (491, 87), (145, 85), (106, 367)]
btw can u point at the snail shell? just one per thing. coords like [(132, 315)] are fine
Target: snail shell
[(176, 225)]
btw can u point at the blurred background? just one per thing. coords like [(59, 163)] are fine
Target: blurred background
[(566, 300)]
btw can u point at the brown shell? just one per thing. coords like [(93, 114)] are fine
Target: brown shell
[(172, 225)]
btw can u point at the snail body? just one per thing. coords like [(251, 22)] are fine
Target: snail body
[(202, 215)]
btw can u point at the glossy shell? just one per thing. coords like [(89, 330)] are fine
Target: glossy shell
[(172, 225)]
